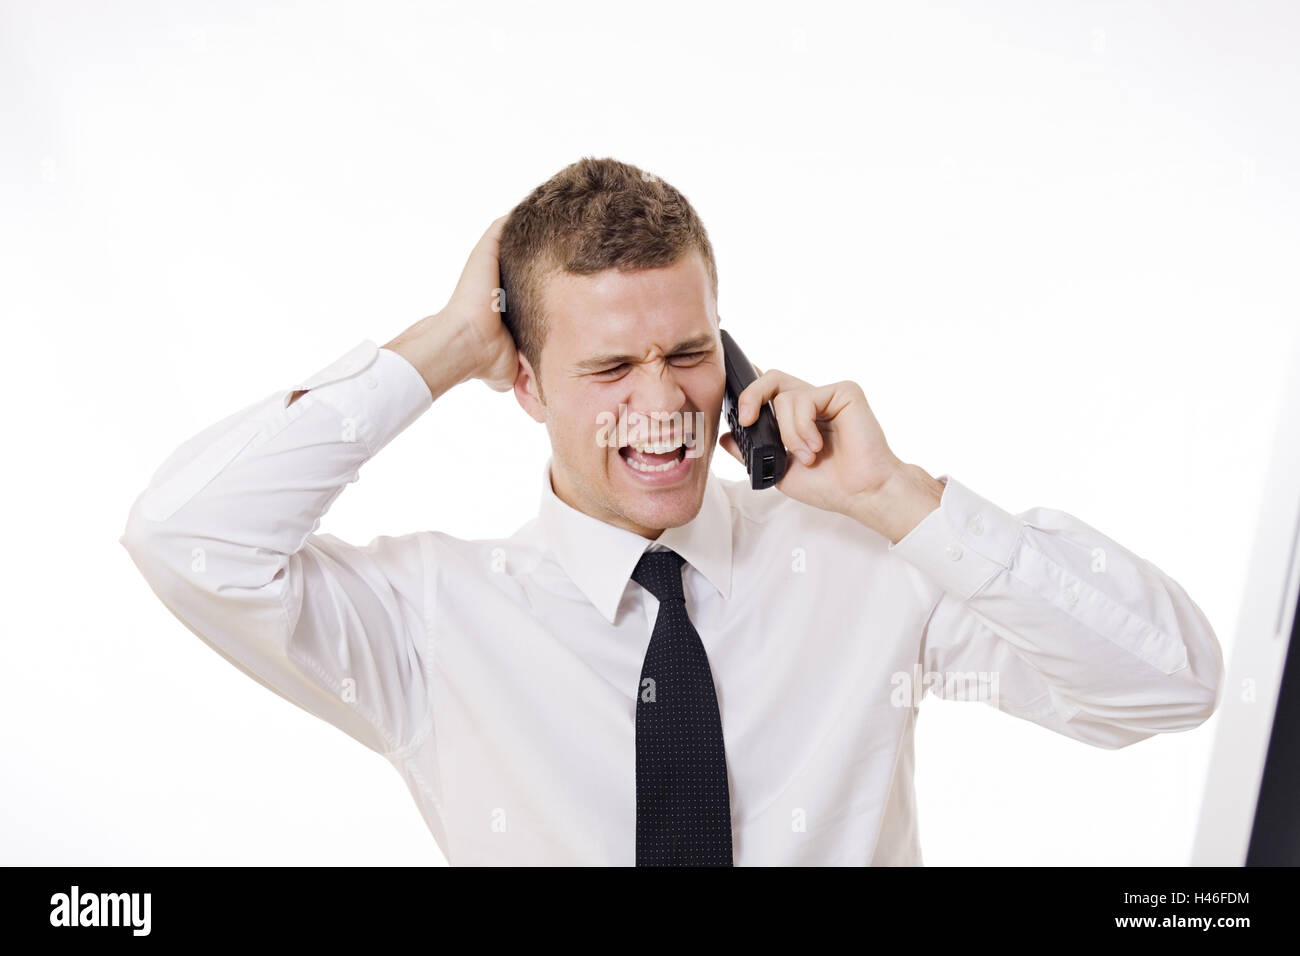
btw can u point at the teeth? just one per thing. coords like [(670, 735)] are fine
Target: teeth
[(640, 467), (662, 448)]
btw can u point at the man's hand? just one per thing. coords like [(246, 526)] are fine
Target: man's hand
[(467, 338), (477, 306), (839, 460)]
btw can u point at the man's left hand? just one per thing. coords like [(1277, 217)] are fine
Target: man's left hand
[(838, 458)]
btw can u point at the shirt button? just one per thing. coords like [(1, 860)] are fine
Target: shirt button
[(370, 381), (1071, 595), (953, 551), (975, 525)]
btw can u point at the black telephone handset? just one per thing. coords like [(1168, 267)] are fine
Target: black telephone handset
[(760, 443)]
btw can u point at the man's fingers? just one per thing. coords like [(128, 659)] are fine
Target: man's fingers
[(789, 431), (763, 389), (758, 391), (804, 415)]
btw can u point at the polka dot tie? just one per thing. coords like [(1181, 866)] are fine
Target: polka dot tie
[(683, 807)]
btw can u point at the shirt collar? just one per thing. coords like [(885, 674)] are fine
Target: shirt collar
[(600, 558)]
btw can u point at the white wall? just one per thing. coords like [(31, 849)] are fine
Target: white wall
[(1055, 244)]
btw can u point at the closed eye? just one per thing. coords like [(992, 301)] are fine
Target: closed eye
[(691, 357), (685, 358)]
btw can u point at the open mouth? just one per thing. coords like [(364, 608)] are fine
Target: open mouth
[(653, 459)]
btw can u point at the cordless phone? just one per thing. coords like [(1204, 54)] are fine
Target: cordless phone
[(760, 443)]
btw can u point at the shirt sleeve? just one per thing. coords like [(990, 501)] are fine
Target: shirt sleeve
[(224, 536), (1050, 621)]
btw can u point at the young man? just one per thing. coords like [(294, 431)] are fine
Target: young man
[(663, 668)]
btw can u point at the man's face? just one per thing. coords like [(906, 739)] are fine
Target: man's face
[(630, 356)]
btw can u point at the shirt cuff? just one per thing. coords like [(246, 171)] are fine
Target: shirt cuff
[(964, 543), (377, 392)]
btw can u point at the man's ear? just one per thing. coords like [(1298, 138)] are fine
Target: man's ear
[(528, 391)]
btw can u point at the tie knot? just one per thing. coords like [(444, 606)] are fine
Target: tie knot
[(660, 573)]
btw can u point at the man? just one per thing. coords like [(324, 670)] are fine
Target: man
[(663, 668)]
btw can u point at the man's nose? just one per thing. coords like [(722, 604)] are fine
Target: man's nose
[(656, 389)]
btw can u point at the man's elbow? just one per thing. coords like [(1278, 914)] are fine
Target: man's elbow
[(1208, 680), (153, 553), (136, 538), (1184, 701), (1212, 695), (1194, 697)]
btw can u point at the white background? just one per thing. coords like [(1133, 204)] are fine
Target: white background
[(1055, 243)]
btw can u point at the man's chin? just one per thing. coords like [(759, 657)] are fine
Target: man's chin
[(661, 507)]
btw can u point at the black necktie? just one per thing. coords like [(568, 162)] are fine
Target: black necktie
[(683, 808)]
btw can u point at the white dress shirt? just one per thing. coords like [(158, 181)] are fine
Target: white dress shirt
[(500, 677)]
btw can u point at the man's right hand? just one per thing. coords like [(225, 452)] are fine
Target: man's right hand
[(467, 338), (476, 305)]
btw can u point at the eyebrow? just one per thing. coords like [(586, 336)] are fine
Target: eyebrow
[(696, 344)]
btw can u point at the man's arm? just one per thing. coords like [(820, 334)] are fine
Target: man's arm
[(1058, 624), (224, 537), (1066, 627), (224, 533)]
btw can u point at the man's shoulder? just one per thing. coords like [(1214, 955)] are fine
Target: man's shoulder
[(433, 547), (772, 510), (756, 506), (518, 552)]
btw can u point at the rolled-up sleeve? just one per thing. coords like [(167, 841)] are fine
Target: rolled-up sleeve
[(224, 534), (1051, 621)]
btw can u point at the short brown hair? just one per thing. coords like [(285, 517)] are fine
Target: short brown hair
[(593, 215)]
